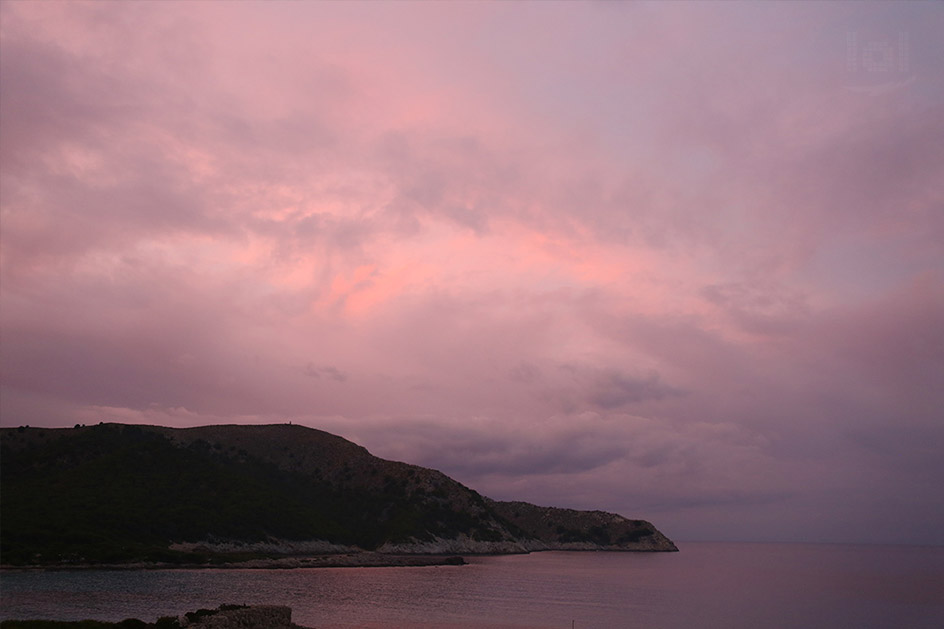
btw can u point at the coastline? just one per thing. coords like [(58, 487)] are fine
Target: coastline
[(364, 559)]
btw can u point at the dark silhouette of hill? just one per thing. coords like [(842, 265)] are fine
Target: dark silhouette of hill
[(116, 493)]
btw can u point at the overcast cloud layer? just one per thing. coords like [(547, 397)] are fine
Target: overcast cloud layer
[(679, 261)]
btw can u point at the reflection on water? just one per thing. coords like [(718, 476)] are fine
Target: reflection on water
[(704, 585)]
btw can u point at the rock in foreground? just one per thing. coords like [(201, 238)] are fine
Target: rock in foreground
[(223, 617), (240, 617)]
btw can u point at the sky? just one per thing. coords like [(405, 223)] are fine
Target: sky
[(678, 261)]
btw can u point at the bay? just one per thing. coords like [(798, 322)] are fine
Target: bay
[(704, 585)]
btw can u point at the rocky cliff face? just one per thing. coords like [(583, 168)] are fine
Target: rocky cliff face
[(144, 493)]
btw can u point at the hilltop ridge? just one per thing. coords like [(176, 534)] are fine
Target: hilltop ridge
[(115, 493)]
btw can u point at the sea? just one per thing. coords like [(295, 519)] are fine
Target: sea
[(705, 585)]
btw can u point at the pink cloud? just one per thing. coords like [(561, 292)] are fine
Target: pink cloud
[(668, 258)]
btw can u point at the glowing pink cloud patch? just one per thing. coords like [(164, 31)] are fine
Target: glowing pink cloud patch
[(681, 261)]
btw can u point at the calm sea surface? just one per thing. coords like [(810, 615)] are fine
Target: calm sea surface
[(704, 585)]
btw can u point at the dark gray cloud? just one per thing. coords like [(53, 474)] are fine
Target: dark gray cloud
[(613, 389), (313, 371)]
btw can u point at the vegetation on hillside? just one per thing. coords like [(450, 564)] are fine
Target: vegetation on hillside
[(112, 493)]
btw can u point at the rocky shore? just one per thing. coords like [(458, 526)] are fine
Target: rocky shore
[(287, 554)]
